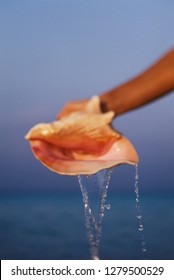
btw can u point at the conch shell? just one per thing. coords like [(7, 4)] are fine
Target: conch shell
[(82, 142)]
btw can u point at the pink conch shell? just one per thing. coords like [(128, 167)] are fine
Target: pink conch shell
[(82, 142)]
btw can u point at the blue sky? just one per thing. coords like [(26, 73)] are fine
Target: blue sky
[(55, 51)]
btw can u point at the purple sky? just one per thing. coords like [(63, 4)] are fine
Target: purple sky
[(55, 51)]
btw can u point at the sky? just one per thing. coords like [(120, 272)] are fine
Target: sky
[(53, 51)]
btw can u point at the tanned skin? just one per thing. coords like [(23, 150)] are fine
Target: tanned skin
[(153, 83)]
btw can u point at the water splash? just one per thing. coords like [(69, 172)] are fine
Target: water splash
[(94, 191), (139, 213)]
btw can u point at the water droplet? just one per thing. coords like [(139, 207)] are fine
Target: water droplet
[(139, 216), (108, 206)]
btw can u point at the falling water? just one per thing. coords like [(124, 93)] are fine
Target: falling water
[(139, 213), (94, 191)]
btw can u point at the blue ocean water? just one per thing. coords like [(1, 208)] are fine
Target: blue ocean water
[(51, 226)]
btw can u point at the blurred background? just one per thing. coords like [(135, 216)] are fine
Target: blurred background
[(54, 51)]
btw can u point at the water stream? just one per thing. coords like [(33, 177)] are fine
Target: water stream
[(139, 213), (94, 192)]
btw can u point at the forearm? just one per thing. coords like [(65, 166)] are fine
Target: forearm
[(148, 86)]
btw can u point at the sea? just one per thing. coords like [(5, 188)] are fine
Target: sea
[(51, 227)]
